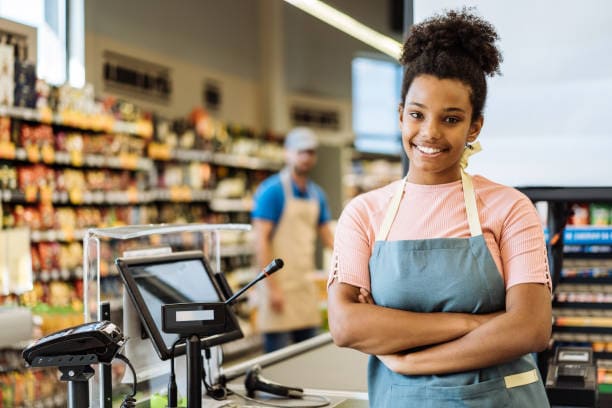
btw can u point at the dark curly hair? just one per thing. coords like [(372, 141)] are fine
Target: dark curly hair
[(456, 45)]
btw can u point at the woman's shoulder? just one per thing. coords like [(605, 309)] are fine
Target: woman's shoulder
[(374, 200), (498, 195)]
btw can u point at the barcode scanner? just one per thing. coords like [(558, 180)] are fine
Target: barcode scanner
[(255, 382)]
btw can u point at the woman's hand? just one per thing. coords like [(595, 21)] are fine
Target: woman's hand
[(396, 362), (365, 297)]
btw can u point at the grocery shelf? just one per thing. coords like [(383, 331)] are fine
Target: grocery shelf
[(582, 305), (86, 122), (587, 235), (246, 162), (121, 162), (587, 280), (62, 235), (231, 204), (236, 250), (568, 194)]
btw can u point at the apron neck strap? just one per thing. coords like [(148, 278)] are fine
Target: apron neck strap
[(285, 177), (470, 205), (383, 231)]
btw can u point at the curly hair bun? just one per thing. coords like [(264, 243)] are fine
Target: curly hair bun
[(458, 33)]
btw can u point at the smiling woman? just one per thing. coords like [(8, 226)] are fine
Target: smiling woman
[(436, 123), (555, 89), (434, 275)]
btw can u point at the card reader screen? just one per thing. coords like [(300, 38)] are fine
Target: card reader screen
[(573, 356), (194, 315)]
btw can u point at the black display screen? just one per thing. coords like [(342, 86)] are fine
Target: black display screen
[(177, 278)]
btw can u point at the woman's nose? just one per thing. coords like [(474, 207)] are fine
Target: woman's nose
[(431, 129)]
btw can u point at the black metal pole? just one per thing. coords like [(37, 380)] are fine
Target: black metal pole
[(78, 394), (77, 378), (194, 372), (558, 213), (106, 380), (408, 22)]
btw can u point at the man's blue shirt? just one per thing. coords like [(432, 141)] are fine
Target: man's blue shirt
[(269, 200)]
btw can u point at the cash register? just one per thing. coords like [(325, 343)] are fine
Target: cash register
[(572, 378)]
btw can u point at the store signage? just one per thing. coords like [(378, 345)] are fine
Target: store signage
[(136, 77), (315, 117)]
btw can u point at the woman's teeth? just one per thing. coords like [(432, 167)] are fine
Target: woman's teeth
[(428, 150)]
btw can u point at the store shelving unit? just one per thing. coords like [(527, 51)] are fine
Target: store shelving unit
[(369, 171), (59, 216), (580, 260)]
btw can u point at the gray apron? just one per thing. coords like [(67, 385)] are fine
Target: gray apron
[(445, 275), (294, 242)]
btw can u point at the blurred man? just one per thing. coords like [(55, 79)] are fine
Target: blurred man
[(288, 213)]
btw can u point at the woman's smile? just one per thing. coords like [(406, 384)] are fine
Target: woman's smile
[(428, 150)]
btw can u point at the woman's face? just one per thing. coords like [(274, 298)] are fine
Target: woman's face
[(436, 123)]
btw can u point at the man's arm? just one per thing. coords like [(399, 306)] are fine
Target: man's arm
[(327, 238), (264, 230), (379, 330), (525, 327)]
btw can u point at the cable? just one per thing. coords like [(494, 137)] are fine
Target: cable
[(324, 401), (217, 392), (172, 391), (129, 401)]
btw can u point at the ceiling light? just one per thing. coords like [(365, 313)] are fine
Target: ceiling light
[(349, 25)]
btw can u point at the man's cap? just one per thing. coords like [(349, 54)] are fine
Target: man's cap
[(301, 138)]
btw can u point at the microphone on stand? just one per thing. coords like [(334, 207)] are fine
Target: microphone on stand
[(272, 267)]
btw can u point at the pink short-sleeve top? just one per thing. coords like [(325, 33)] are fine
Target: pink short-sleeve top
[(510, 225)]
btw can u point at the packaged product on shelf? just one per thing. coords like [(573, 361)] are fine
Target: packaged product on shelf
[(579, 215), (8, 177), (25, 84), (7, 76), (5, 129), (600, 214), (47, 216)]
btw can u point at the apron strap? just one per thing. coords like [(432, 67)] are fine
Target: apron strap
[(470, 204), (383, 231), (286, 183)]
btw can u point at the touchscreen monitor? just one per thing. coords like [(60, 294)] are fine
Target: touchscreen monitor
[(181, 277)]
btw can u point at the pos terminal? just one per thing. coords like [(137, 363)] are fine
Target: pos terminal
[(572, 378)]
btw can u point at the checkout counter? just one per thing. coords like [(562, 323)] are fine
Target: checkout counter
[(316, 365), (152, 278)]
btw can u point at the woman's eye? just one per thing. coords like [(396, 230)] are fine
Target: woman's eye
[(451, 119), (416, 115)]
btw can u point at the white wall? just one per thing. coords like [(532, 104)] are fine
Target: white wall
[(318, 57), (192, 40), (221, 35), (221, 40), (240, 96), (546, 117)]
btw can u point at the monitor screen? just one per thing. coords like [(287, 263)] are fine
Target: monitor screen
[(183, 277), (376, 96)]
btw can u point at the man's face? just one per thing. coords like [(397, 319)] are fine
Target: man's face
[(301, 161)]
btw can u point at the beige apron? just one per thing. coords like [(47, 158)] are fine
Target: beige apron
[(294, 242)]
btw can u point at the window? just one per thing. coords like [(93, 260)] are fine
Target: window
[(376, 96), (49, 17)]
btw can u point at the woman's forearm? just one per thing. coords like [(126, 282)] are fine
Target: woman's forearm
[(508, 336), (379, 330)]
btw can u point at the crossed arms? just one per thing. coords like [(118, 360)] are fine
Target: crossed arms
[(456, 341)]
